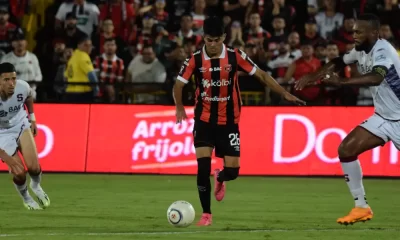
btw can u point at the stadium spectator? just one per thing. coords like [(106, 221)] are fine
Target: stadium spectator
[(121, 13), (282, 8), (279, 64), (305, 65), (110, 70), (344, 35), (255, 33), (87, 15), (199, 14), (320, 50), (7, 30), (278, 25), (176, 9), (141, 36), (60, 80), (311, 32), (385, 32), (238, 10), (70, 34), (107, 32), (80, 71), (161, 16), (148, 74), (26, 63), (329, 20), (236, 34), (294, 44), (186, 31)]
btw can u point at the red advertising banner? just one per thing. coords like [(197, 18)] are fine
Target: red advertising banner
[(62, 137), (274, 141)]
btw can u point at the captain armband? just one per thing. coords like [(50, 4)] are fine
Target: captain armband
[(381, 70)]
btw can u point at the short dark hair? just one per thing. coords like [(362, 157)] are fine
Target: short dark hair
[(186, 14), (111, 39), (83, 39), (148, 45), (213, 26), (6, 67), (372, 20)]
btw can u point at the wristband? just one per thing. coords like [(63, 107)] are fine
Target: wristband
[(32, 117)]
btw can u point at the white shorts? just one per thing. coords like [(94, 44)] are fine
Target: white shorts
[(9, 137), (386, 129)]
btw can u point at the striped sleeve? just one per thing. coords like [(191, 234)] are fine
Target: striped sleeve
[(245, 63), (186, 70), (120, 70)]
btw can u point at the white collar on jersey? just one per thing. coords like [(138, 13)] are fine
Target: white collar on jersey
[(206, 57), (105, 57)]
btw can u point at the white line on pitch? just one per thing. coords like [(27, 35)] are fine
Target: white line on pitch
[(203, 232)]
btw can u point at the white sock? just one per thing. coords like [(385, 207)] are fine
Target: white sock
[(35, 180), (353, 175), (23, 191)]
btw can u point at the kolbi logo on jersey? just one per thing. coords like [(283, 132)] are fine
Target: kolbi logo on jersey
[(212, 83)]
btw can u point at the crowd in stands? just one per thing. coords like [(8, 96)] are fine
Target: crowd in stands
[(137, 47)]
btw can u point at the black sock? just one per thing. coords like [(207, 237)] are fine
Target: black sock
[(228, 174), (204, 183)]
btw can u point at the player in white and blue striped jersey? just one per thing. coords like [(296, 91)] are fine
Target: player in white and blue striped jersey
[(16, 134), (379, 65)]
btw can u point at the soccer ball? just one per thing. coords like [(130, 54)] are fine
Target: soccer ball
[(180, 214)]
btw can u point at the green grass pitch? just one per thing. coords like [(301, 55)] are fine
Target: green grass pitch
[(134, 207)]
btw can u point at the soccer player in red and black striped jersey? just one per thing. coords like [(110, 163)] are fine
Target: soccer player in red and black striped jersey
[(217, 109)]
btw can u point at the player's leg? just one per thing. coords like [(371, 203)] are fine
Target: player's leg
[(363, 138), (204, 145), (20, 183), (28, 149), (8, 155), (228, 147)]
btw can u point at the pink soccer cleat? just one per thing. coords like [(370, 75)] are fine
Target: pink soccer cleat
[(219, 188), (205, 220)]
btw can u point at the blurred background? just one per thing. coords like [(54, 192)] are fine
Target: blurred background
[(137, 46)]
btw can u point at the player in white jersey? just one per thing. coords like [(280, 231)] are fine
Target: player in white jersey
[(379, 65), (16, 134)]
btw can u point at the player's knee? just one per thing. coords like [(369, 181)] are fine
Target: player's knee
[(346, 152), (231, 173), (20, 175), (34, 170)]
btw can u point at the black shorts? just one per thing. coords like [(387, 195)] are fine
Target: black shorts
[(224, 138)]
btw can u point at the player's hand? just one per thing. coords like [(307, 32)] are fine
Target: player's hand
[(34, 128), (180, 114), (16, 168), (304, 81), (290, 98), (332, 79)]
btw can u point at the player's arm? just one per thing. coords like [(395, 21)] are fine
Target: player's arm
[(380, 67), (334, 65), (245, 63), (182, 79)]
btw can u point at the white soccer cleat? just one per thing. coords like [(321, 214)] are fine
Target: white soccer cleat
[(30, 204), (42, 197)]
